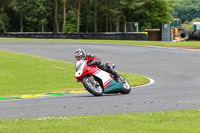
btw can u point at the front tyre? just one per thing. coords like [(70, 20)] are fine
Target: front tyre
[(92, 85), (126, 89)]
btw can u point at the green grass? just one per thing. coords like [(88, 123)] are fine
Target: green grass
[(160, 122), (24, 74), (188, 44)]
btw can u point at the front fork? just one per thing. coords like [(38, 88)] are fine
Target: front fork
[(91, 79)]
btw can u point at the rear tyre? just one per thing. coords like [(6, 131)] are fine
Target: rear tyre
[(126, 89), (92, 85)]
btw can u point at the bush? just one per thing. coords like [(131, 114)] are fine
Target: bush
[(70, 28), (189, 25)]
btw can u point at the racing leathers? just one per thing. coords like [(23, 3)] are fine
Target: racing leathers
[(94, 60)]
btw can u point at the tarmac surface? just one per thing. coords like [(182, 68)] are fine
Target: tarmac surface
[(176, 74)]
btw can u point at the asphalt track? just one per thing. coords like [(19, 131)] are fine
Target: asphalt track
[(176, 73)]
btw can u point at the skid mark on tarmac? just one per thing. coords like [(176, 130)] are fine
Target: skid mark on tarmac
[(41, 95)]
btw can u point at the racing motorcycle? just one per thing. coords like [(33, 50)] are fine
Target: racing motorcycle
[(99, 82)]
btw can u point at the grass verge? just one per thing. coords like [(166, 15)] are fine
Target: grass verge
[(24, 74), (184, 45), (160, 122)]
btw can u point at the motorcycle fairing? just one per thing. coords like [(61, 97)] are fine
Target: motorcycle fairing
[(113, 86), (104, 76), (108, 83), (80, 70)]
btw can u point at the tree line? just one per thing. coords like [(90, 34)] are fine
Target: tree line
[(186, 10), (81, 15)]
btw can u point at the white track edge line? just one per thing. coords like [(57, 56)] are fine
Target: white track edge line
[(152, 81)]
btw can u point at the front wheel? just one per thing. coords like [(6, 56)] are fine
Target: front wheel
[(126, 89), (92, 85)]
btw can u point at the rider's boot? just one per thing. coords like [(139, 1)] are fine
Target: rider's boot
[(116, 75)]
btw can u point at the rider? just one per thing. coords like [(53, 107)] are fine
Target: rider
[(94, 60)]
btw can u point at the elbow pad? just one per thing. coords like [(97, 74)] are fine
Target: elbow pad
[(95, 62), (98, 62)]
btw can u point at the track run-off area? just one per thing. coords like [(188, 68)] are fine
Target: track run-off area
[(176, 74)]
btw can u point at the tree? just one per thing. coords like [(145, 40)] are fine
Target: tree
[(38, 17), (56, 24), (64, 15), (151, 13), (18, 7), (83, 15), (107, 15), (158, 11), (3, 15), (86, 15), (186, 10), (120, 11), (78, 16), (95, 15)]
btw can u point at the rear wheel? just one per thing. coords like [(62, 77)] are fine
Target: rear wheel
[(126, 86), (92, 85)]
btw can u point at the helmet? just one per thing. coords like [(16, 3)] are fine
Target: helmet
[(79, 54)]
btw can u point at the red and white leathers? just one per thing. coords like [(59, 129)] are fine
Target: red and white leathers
[(94, 60), (90, 58)]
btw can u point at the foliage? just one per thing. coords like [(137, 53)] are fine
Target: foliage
[(156, 12), (186, 10), (95, 16), (37, 19), (4, 19), (70, 26), (1, 23), (189, 25)]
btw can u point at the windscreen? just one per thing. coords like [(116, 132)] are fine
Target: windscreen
[(78, 64)]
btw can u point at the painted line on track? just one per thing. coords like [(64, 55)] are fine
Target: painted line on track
[(60, 94), (152, 81), (41, 95)]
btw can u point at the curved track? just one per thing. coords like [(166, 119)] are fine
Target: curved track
[(176, 74)]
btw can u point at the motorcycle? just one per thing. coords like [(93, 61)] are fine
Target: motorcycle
[(99, 82)]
